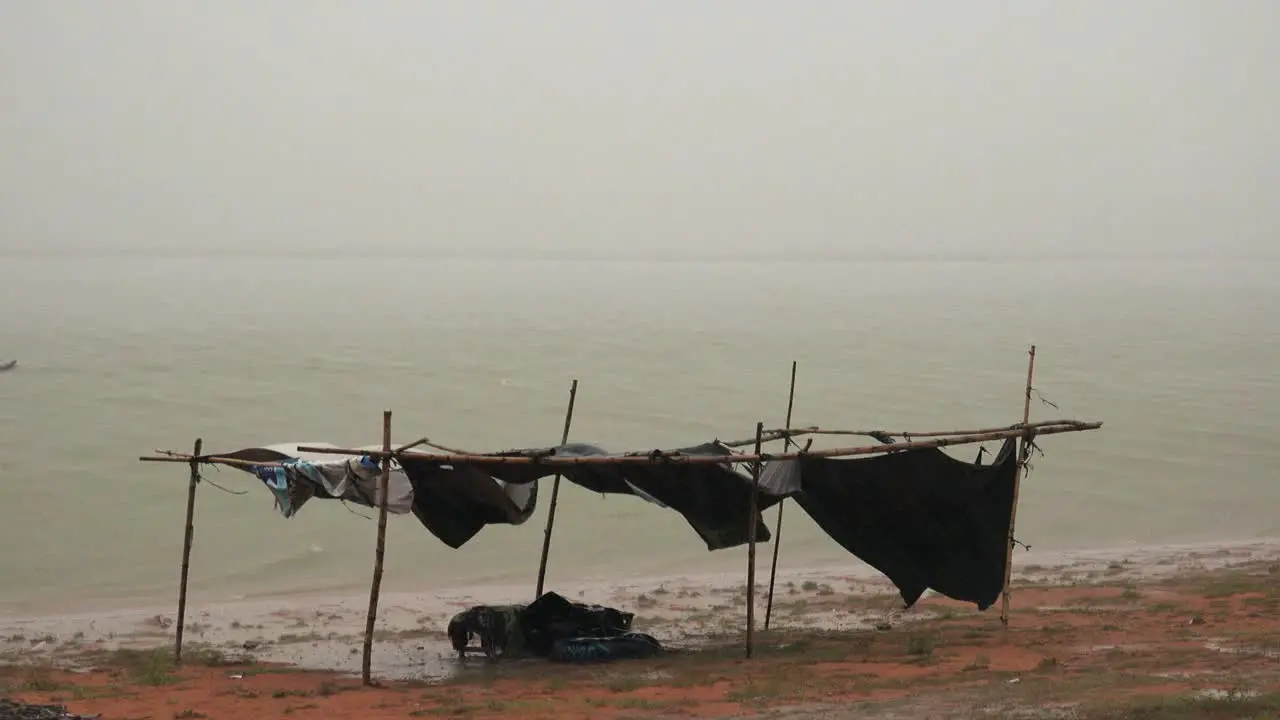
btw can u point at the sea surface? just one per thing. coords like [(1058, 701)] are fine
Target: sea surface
[(120, 356)]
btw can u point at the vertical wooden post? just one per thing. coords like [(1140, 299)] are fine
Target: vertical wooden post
[(754, 512), (186, 548), (777, 534), (366, 669), (1023, 452), (555, 495)]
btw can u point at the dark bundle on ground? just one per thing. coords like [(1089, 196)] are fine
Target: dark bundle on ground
[(14, 710)]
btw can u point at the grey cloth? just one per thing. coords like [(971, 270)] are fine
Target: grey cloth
[(351, 478), (780, 477)]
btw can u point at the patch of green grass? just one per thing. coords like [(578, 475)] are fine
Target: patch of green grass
[(1046, 664), (921, 645), (642, 704), (1232, 706), (280, 694), (146, 667)]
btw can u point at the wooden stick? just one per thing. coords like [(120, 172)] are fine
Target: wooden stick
[(777, 534), (188, 536), (660, 457), (555, 494), (454, 455), (908, 434), (771, 435), (754, 513), (209, 460), (412, 445), (454, 451), (383, 481), (1023, 455)]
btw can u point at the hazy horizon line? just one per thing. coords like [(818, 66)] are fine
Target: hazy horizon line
[(623, 256)]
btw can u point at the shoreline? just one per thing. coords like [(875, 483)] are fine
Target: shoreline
[(512, 591), (1176, 631), (324, 632)]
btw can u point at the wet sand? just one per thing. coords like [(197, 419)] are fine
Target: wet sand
[(1089, 632)]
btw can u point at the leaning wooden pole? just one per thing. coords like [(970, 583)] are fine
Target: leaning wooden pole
[(189, 534), (777, 533), (1024, 450), (546, 460), (366, 668), (555, 495), (754, 513)]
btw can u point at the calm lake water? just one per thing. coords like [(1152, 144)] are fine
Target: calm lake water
[(120, 356)]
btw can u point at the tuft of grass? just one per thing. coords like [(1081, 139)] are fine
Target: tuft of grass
[(39, 680), (211, 657), (1231, 706), (146, 667), (921, 645)]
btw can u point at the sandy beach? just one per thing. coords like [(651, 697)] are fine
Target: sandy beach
[(1202, 618)]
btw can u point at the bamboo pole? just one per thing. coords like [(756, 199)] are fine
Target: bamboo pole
[(412, 445), (771, 435), (455, 455), (555, 494), (1023, 454), (208, 460), (188, 536), (366, 668), (777, 533), (754, 513), (781, 433), (659, 457)]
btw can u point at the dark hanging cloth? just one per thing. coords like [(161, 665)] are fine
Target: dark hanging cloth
[(455, 502), (921, 517), (714, 499)]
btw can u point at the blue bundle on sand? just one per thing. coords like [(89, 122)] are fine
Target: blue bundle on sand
[(603, 649)]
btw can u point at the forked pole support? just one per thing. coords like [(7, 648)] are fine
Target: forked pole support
[(754, 513), (777, 534), (188, 536), (384, 480), (1024, 450)]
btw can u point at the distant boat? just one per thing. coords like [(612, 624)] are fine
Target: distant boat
[(9, 365)]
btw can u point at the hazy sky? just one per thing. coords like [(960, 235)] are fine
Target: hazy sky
[(562, 126)]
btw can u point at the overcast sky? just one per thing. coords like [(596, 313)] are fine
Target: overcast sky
[(844, 127)]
